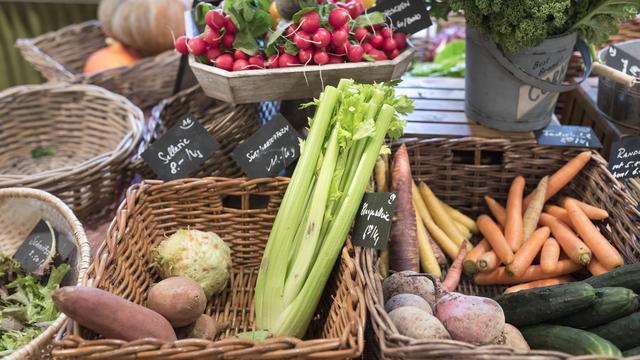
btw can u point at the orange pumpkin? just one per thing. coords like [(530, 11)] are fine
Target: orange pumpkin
[(114, 55)]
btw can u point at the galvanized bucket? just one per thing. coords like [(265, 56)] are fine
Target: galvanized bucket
[(518, 92), (618, 102)]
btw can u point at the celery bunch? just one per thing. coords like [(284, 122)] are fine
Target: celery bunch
[(345, 137)]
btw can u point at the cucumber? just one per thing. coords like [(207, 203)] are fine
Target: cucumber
[(535, 306), (622, 332), (627, 276), (632, 352), (569, 340), (611, 303)]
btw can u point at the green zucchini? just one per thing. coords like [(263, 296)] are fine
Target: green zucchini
[(569, 340), (632, 352), (622, 332), (535, 306), (611, 303), (627, 276)]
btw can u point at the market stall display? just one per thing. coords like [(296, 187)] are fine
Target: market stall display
[(79, 150)]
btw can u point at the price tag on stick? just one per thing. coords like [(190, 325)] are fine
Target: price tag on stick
[(373, 220), (269, 150), (181, 151), (624, 158), (38, 248), (405, 16), (568, 135)]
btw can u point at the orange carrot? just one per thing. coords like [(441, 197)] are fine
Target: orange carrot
[(499, 276), (496, 209), (606, 253), (539, 283), (528, 251), (596, 268), (455, 271), (473, 255), (559, 213), (513, 230), (570, 243), (488, 261), (564, 175), (550, 255), (492, 233), (592, 212), (532, 214)]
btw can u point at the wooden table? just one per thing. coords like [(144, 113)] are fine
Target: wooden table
[(439, 111)]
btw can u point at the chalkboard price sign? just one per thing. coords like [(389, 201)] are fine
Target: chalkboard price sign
[(405, 16), (568, 135), (37, 248), (624, 158), (270, 150), (373, 220), (623, 61), (181, 151)]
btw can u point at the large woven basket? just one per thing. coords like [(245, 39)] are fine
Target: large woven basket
[(93, 132), (242, 212), (60, 56), (229, 124), (461, 172), (20, 210)]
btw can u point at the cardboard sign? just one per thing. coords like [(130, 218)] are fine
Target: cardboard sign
[(270, 150), (373, 220), (568, 135), (623, 61), (37, 247), (624, 158), (181, 151), (405, 16)]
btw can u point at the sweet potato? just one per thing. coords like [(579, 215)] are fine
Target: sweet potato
[(416, 323), (401, 300), (205, 327), (179, 299)]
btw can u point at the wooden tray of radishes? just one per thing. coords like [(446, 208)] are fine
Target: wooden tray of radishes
[(239, 57)]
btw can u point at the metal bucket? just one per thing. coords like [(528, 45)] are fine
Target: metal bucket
[(621, 103), (518, 92)]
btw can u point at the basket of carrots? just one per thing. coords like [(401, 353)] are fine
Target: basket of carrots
[(503, 249)]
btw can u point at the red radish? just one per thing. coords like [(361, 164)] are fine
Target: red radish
[(389, 44), (213, 53), (322, 38), (212, 37), (361, 34), (321, 57), (342, 50), (360, 7), (355, 9), (197, 46), (214, 19), (394, 54), (377, 41), (355, 53), (229, 26), (225, 62), (310, 22), (378, 55), (240, 64), (386, 33), (335, 59), (367, 47), (238, 54), (291, 30), (339, 38), (227, 40), (346, 27), (338, 17), (272, 62), (401, 40), (305, 56), (287, 60), (181, 45), (257, 61), (302, 40)]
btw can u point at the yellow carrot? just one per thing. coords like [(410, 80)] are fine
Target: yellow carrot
[(464, 231), (447, 245), (532, 214), (460, 218), (440, 216), (428, 261), (382, 185)]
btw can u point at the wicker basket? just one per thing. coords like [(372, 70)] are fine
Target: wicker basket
[(20, 211), (461, 172), (58, 56), (94, 134), (242, 212), (229, 124)]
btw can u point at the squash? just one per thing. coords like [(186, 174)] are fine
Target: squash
[(148, 26), (112, 56)]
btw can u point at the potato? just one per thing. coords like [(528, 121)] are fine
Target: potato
[(179, 299), (401, 300), (512, 337), (417, 323), (409, 282), (205, 327)]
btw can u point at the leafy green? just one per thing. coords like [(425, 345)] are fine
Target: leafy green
[(252, 20), (450, 62), (601, 22), (370, 18), (276, 38), (42, 151), (201, 10)]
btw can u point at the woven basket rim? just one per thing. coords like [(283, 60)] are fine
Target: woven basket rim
[(131, 139), (82, 263)]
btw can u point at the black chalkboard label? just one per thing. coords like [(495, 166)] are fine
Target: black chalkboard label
[(181, 151), (37, 247), (65, 248), (568, 135), (624, 158), (623, 61), (373, 221), (270, 150), (405, 16)]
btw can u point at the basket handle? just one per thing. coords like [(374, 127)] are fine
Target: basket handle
[(542, 84)]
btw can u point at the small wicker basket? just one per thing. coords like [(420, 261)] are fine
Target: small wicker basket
[(92, 132), (461, 172), (242, 212), (20, 210), (229, 124), (59, 57)]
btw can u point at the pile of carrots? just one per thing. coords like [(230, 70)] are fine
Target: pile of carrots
[(563, 237)]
